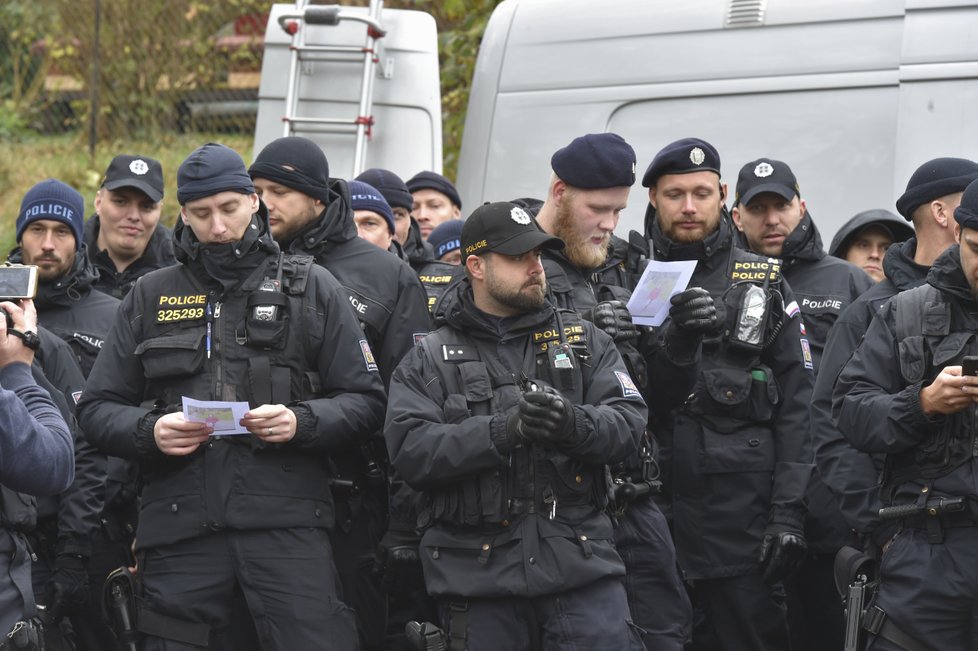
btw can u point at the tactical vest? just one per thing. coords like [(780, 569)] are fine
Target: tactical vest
[(931, 334), (535, 480)]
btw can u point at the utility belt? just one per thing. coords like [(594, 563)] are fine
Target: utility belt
[(25, 635), (934, 515)]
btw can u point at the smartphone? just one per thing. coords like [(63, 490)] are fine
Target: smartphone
[(969, 365), (17, 281)]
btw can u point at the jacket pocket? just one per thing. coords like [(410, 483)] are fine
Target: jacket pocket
[(729, 395), (172, 355), (750, 449)]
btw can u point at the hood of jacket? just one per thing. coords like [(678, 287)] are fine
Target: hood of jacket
[(900, 268), (948, 275), (897, 225), (334, 226)]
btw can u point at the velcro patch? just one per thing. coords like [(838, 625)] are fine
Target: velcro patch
[(792, 309), (628, 388), (368, 355), (76, 396), (806, 354), (756, 271)]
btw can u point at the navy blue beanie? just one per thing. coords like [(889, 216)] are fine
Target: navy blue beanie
[(446, 237), (209, 170), (364, 196), (935, 179), (296, 163), (52, 199), (433, 181), (967, 213), (682, 157), (595, 161), (390, 185)]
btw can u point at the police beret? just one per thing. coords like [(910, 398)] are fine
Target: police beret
[(967, 213), (765, 175), (682, 157), (594, 161), (436, 182), (933, 180)]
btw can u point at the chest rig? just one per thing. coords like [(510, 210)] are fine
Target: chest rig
[(932, 334), (477, 383)]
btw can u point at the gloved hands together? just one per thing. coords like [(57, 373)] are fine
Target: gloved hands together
[(546, 417), (67, 589), (783, 549), (398, 548), (614, 318)]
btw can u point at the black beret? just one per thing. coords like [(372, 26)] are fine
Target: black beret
[(595, 161), (682, 157), (967, 213), (935, 179), (437, 182)]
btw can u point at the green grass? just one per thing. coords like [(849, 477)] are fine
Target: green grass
[(65, 157)]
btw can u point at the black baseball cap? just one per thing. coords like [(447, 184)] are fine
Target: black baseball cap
[(765, 175), (504, 227), (140, 172)]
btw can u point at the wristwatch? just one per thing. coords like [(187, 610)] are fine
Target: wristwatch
[(31, 340)]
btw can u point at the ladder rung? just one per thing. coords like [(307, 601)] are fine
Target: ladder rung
[(346, 49), (338, 121)]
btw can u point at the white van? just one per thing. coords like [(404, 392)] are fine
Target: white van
[(852, 94)]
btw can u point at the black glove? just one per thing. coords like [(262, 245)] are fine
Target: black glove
[(614, 318), (546, 417), (67, 589), (692, 315), (398, 548), (783, 549)]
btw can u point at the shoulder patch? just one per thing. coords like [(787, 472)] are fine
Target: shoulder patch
[(76, 396), (368, 355), (792, 309), (628, 388), (806, 354)]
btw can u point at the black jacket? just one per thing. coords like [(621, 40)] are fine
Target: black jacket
[(733, 455), (854, 476), (160, 349), (386, 294), (70, 308), (450, 446), (416, 250), (876, 402), (158, 254)]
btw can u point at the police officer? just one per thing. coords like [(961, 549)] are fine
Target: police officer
[(865, 238), (505, 417), (904, 393), (932, 194), (236, 320), (734, 467), (408, 242), (435, 201), (74, 555), (372, 215), (310, 213), (773, 220), (36, 458), (124, 237), (439, 273), (588, 190)]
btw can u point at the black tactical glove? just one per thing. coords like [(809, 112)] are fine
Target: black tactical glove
[(547, 418), (398, 548), (614, 318), (692, 315), (505, 430), (67, 589), (783, 549)]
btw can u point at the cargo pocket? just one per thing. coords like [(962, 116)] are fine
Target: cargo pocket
[(172, 355), (750, 449)]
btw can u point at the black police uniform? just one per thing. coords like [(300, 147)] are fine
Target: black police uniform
[(517, 540), (435, 277), (237, 511), (823, 286), (656, 596), (390, 304), (158, 254), (32, 462), (416, 249), (929, 570), (851, 475), (733, 456), (70, 309)]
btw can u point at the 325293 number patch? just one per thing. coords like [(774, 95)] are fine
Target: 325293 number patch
[(179, 314)]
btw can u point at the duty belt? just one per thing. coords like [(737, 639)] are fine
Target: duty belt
[(934, 515)]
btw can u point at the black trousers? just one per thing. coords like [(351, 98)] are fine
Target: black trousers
[(286, 577), (744, 614)]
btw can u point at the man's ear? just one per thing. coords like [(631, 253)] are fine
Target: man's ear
[(183, 216), (957, 232), (735, 213), (939, 212), (476, 266)]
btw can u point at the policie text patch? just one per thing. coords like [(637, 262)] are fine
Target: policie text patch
[(185, 307)]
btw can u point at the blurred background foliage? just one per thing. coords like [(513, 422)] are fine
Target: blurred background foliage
[(156, 63)]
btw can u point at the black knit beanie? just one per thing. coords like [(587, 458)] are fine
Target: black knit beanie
[(967, 213), (295, 162), (935, 179)]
